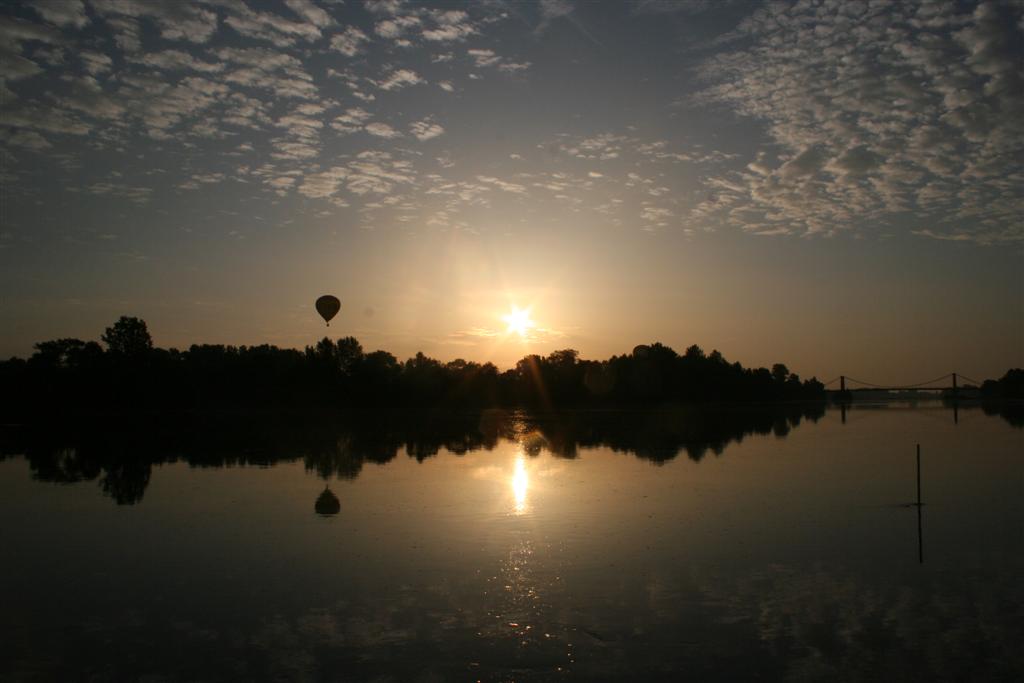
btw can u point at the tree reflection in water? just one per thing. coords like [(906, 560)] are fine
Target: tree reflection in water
[(526, 596), (120, 455)]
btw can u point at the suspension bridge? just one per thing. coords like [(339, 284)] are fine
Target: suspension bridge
[(949, 382), (843, 388)]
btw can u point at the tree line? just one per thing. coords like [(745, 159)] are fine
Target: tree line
[(127, 372), (1009, 386)]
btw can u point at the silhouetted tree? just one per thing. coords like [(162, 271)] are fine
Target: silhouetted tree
[(65, 353), (780, 372), (1010, 385), (128, 337)]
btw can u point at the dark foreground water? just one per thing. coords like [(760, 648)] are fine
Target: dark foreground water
[(711, 545)]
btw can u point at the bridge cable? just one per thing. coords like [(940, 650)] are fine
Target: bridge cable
[(931, 381), (900, 386)]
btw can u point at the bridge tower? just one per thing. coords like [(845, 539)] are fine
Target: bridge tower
[(842, 382), (954, 387)]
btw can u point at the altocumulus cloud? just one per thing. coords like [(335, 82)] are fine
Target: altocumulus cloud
[(903, 115), (426, 130), (873, 110)]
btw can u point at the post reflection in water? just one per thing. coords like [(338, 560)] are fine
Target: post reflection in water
[(520, 485)]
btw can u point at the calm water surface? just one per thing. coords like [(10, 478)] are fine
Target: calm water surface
[(705, 545)]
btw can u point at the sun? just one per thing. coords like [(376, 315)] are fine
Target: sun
[(518, 321)]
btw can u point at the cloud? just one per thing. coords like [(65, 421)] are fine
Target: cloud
[(399, 79), (349, 42), (176, 20), (426, 130), (863, 114), (51, 55), (381, 130), (171, 60), (602, 146), (159, 105), (25, 138), (199, 179), (274, 28), (45, 118), (448, 33), (299, 125), (856, 161), (551, 10), (261, 58), (514, 188), (513, 67), (324, 184), (95, 62), (865, 108), (294, 150), (139, 195), (16, 67), (86, 95), (62, 12), (268, 69), (653, 214), (126, 34), (384, 6), (395, 26), (483, 58), (281, 184), (352, 120), (13, 32), (807, 163), (310, 12), (473, 333), (449, 26), (377, 172)]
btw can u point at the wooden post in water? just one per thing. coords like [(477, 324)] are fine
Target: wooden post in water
[(920, 542), (918, 475)]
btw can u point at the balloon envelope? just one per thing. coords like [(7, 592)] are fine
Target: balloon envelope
[(328, 306)]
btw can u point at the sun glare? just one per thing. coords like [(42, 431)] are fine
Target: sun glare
[(518, 321)]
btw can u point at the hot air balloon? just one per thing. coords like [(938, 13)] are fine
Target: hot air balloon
[(328, 306)]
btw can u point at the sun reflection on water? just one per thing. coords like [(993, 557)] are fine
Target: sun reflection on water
[(520, 485)]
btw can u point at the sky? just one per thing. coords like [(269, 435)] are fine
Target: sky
[(835, 185)]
